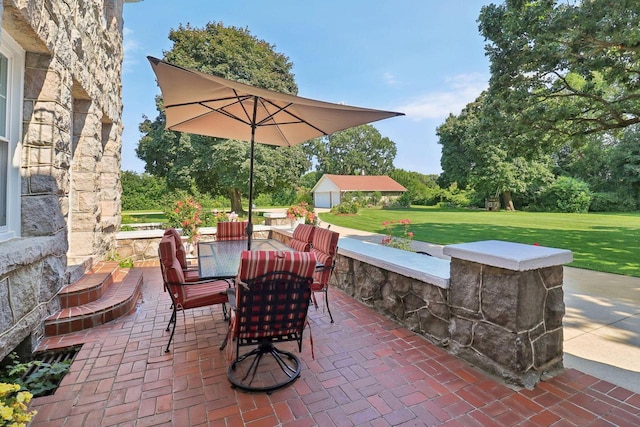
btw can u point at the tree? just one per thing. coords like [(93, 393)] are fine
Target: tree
[(563, 69), (142, 191), (360, 149), (477, 153), (214, 165), (422, 189)]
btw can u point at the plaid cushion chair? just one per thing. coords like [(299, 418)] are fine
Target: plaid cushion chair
[(185, 295), (190, 273), (232, 230), (272, 299), (301, 238), (325, 247)]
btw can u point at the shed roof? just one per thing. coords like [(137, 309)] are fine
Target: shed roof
[(364, 182)]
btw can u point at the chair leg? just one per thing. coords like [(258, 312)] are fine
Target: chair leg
[(326, 302), (173, 331)]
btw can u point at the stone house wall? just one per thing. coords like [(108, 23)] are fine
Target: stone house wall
[(69, 154)]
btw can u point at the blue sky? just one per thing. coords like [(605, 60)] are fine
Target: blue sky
[(424, 58)]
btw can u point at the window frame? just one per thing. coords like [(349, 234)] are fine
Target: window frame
[(15, 100)]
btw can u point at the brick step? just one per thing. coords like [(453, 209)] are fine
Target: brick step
[(90, 287), (118, 300)]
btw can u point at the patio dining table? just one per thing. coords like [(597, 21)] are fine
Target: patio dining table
[(221, 259)]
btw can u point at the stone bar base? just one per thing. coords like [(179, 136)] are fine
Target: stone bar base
[(506, 308)]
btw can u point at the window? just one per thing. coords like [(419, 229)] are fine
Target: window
[(11, 83)]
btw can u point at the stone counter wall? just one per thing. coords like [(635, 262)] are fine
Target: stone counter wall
[(508, 322), (419, 306)]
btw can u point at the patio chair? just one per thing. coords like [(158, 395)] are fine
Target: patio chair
[(271, 304), (325, 247), (190, 272), (185, 295), (301, 238), (232, 230)]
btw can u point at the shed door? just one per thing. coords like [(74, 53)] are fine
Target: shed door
[(322, 200)]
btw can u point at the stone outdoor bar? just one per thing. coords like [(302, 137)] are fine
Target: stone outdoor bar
[(498, 305)]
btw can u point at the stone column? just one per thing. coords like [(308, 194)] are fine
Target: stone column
[(86, 207), (506, 302)]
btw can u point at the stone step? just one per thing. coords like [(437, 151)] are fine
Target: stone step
[(118, 300), (90, 287)]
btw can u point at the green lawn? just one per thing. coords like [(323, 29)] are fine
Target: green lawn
[(603, 242)]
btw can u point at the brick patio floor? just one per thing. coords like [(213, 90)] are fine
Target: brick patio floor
[(367, 371)]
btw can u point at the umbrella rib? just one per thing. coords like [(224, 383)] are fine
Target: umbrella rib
[(284, 110)]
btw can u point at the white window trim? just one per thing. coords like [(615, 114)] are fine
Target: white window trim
[(15, 96)]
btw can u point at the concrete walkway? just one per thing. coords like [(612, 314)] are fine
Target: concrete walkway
[(601, 324)]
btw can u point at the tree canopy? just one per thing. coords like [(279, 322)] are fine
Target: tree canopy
[(214, 165), (360, 149), (563, 69)]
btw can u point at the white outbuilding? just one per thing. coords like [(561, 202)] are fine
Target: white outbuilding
[(330, 190)]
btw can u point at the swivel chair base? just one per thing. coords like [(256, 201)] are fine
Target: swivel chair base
[(264, 369)]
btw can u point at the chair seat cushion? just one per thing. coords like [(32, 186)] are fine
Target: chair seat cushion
[(201, 294)]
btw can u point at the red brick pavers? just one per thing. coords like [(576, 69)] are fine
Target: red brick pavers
[(367, 371)]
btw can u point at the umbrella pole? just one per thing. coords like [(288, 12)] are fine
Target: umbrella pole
[(253, 136)]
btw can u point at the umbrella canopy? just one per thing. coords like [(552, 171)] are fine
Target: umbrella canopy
[(204, 104)]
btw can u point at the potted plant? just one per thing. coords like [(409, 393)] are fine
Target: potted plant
[(186, 215), (297, 213)]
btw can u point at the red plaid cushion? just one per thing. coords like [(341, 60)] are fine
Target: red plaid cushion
[(232, 230), (272, 308), (257, 263)]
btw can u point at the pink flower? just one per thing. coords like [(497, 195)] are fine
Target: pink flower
[(410, 234)]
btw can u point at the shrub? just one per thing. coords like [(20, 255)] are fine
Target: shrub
[(566, 195), (612, 202), (402, 202), (346, 207)]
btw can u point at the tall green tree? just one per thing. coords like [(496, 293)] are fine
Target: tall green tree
[(563, 69), (214, 165), (477, 154), (354, 151)]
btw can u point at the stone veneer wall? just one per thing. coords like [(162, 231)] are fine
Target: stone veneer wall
[(419, 306), (506, 321), (70, 154)]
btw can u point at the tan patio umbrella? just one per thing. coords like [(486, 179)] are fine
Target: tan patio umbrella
[(204, 104)]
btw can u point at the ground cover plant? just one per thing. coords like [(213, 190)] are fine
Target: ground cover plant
[(605, 242)]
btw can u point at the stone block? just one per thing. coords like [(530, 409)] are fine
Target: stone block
[(40, 83), (24, 290), (548, 350), (41, 215), (43, 184), (52, 278), (464, 288), (461, 331), (6, 315), (510, 350), (39, 134), (85, 182), (82, 243), (554, 309)]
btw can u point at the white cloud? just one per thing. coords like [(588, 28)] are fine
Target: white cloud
[(131, 47), (459, 91), (390, 79)]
